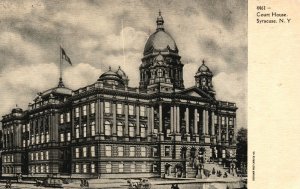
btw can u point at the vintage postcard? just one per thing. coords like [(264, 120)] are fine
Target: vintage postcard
[(144, 94)]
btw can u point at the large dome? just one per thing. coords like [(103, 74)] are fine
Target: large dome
[(160, 40)]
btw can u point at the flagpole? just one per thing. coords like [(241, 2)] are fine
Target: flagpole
[(60, 84)]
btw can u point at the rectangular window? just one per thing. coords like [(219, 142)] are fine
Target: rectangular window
[(36, 156), (84, 168), (143, 151), (107, 128), (42, 155), (77, 112), (84, 110), (42, 138), (108, 151), (143, 132), (231, 121), (77, 152), (61, 118), (37, 138), (107, 107), (216, 119), (77, 168), (84, 130), (47, 168), (42, 168), (132, 151), (77, 131), (120, 151), (69, 136), (92, 108), (155, 131), (47, 155), (121, 167), (142, 111), (167, 151), (24, 143), (131, 132), (144, 167), (120, 130), (92, 168), (47, 137), (31, 155), (119, 108), (155, 152), (84, 151), (24, 128), (93, 132), (223, 120), (68, 117), (93, 154), (108, 168), (62, 137), (132, 168), (131, 109)]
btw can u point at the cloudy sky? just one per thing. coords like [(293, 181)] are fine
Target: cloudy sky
[(91, 33)]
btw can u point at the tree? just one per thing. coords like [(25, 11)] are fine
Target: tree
[(241, 150)]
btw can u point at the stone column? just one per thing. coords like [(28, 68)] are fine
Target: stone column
[(178, 119), (171, 119), (114, 127), (213, 127), (152, 119), (149, 123), (196, 124), (212, 123), (177, 115), (137, 112), (187, 124), (160, 122), (206, 122), (219, 128), (227, 129), (101, 120), (235, 130), (126, 122), (97, 117), (203, 122)]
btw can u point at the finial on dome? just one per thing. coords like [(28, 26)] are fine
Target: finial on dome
[(109, 68), (60, 83), (160, 21), (203, 62)]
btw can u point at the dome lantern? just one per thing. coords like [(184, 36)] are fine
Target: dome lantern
[(160, 22)]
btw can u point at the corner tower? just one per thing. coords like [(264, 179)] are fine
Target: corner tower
[(161, 68)]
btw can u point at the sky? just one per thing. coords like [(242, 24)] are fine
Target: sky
[(94, 34)]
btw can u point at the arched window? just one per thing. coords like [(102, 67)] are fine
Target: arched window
[(143, 130), (107, 128), (119, 129), (131, 130)]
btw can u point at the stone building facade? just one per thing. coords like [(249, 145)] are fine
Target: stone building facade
[(111, 130)]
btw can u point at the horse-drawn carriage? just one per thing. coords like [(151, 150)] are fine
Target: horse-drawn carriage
[(142, 184)]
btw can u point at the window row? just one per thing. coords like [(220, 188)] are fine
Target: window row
[(85, 168), (132, 167), (119, 151), (65, 137), (8, 158), (84, 151), (65, 117), (42, 155), (43, 168), (8, 169), (120, 129), (42, 138), (82, 131), (120, 108), (83, 110)]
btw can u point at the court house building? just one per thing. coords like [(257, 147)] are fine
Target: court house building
[(110, 130)]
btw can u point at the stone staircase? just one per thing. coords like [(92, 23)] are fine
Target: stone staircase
[(208, 167)]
